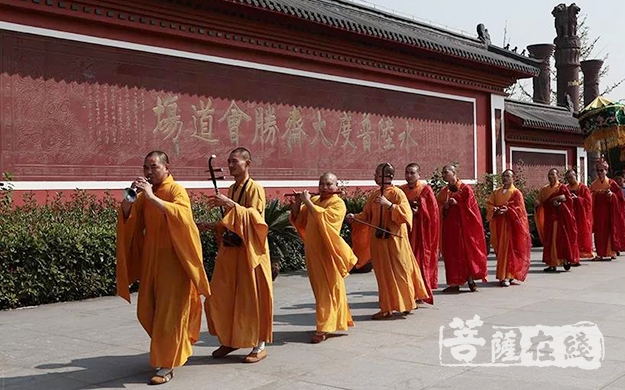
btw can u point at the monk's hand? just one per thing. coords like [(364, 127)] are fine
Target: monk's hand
[(304, 196), (383, 201), (452, 202), (609, 193), (349, 217), (220, 200), (556, 202), (503, 209), (144, 186)]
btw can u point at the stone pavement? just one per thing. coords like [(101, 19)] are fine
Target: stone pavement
[(98, 343)]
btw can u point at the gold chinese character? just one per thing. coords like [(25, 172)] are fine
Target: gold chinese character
[(345, 130), (167, 120), (386, 128), (406, 137), (266, 126), (203, 122), (294, 133), (233, 117), (366, 132), (319, 127)]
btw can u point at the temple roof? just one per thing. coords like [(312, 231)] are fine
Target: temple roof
[(542, 116), (383, 25)]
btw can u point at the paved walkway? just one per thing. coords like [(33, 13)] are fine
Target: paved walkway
[(99, 343)]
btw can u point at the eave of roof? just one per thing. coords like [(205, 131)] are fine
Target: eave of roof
[(542, 116), (373, 22)]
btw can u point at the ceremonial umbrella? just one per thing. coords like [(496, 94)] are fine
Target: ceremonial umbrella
[(603, 123)]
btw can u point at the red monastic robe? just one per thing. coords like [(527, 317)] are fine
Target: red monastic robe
[(510, 234), (463, 244), (609, 220), (424, 233), (557, 226), (582, 206)]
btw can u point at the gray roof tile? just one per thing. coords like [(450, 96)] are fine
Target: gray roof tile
[(369, 21), (542, 116)]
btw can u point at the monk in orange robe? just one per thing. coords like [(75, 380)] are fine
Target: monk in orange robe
[(318, 221), (556, 224), (509, 231), (399, 279), (582, 206), (424, 233), (608, 214), (159, 245), (463, 243), (240, 311)]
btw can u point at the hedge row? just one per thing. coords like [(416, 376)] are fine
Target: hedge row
[(64, 250)]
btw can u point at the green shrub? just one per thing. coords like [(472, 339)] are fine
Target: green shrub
[(60, 251), (64, 250)]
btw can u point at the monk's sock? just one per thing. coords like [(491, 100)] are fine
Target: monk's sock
[(259, 348), (164, 371)]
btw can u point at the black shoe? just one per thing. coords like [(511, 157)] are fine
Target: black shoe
[(362, 270), (550, 269), (567, 266)]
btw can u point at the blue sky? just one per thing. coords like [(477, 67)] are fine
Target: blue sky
[(528, 22)]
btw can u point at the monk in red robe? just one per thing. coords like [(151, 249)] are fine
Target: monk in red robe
[(582, 206), (424, 233), (609, 220), (509, 231), (463, 244), (556, 224)]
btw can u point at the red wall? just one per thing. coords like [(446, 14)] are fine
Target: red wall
[(75, 111)]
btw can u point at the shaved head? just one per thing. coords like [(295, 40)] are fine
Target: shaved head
[(328, 185), (450, 168), (161, 156), (389, 170), (329, 176), (243, 153), (413, 165)]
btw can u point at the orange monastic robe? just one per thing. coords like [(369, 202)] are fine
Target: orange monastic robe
[(399, 279), (557, 226), (328, 260), (240, 311), (582, 205), (424, 233), (463, 243), (609, 217), (510, 233), (163, 251)]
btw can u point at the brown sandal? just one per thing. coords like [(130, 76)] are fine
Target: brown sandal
[(383, 315), (159, 380), (319, 338)]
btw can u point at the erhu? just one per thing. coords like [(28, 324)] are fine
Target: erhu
[(228, 238), (381, 232)]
